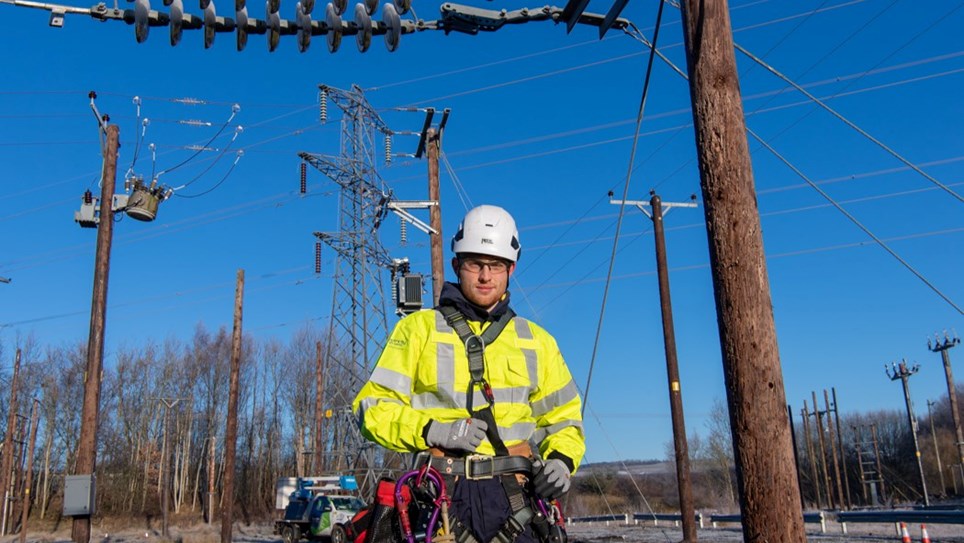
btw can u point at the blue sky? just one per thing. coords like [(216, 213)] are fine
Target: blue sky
[(541, 124)]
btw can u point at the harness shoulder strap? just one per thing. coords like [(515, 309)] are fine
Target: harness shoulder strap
[(475, 351), (475, 344)]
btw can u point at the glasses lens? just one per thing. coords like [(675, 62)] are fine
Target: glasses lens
[(475, 266)]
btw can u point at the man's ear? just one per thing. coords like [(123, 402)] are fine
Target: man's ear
[(511, 268), (455, 265)]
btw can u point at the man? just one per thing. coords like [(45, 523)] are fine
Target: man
[(469, 378)]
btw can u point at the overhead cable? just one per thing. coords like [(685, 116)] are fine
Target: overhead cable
[(629, 174), (854, 219), (849, 123)]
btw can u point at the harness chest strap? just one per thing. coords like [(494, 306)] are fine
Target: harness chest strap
[(475, 352)]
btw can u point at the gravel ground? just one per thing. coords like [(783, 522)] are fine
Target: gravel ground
[(665, 532)]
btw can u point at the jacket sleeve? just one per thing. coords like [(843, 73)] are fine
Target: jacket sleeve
[(383, 406), (557, 408)]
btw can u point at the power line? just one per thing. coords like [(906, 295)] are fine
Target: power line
[(824, 194), (585, 279), (314, 126), (189, 294), (673, 129), (850, 123), (585, 242), (184, 224), (855, 221)]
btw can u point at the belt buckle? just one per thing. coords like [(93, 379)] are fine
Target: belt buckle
[(472, 459)]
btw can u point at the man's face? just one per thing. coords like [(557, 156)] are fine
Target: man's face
[(483, 278)]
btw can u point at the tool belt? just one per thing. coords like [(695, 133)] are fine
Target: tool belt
[(513, 471), (479, 466)]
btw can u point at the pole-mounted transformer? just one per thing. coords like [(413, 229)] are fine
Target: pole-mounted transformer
[(408, 287)]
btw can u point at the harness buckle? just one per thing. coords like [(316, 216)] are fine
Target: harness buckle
[(474, 342), (474, 459)]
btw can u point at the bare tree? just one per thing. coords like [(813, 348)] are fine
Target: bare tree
[(718, 451)]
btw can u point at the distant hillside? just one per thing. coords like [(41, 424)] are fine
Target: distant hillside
[(636, 467)]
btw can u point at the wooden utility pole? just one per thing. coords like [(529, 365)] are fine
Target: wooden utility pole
[(769, 496), (231, 431), (319, 414), (680, 446), (805, 413), (87, 443), (687, 510), (796, 456), (942, 347), (937, 452), (902, 372), (212, 474), (6, 465), (169, 403), (843, 455), (821, 440), (833, 451), (28, 479), (433, 144)]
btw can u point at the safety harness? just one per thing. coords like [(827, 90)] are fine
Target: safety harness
[(501, 465)]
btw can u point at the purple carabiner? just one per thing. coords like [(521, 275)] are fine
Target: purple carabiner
[(436, 479)]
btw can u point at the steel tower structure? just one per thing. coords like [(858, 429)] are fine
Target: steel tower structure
[(358, 323)]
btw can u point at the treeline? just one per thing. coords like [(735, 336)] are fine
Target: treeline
[(164, 406)]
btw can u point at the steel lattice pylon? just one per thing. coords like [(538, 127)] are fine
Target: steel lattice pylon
[(358, 317)]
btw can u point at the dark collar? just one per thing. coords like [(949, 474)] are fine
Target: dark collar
[(452, 295)]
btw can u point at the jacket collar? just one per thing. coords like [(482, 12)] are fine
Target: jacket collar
[(452, 295)]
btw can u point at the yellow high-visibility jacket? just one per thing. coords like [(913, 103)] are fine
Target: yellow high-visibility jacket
[(423, 375)]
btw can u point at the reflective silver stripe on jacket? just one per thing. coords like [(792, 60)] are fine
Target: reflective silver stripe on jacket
[(519, 431), (445, 395), (522, 328), (365, 404), (392, 380), (442, 325), (562, 396), (532, 365), (542, 433)]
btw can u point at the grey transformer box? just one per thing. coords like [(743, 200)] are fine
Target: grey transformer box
[(79, 495)]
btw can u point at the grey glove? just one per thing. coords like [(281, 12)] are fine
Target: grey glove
[(464, 435), (552, 480)]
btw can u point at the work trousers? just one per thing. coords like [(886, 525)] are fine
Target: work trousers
[(483, 508)]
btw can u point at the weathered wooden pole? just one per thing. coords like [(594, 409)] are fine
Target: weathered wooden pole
[(231, 431), (680, 446), (6, 465), (433, 147), (28, 479), (769, 496), (86, 461)]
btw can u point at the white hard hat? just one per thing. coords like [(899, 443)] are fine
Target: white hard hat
[(488, 230)]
